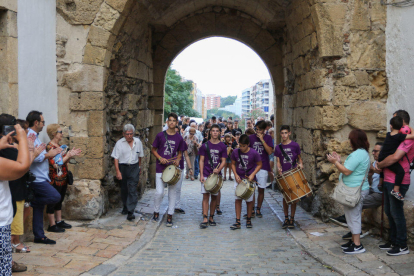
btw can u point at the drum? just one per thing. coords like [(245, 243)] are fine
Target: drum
[(171, 175), (293, 185), (213, 183), (245, 189)]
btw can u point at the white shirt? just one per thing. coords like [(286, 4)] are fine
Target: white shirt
[(6, 207), (127, 155)]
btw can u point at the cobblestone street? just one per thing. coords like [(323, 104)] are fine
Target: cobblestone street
[(187, 250)]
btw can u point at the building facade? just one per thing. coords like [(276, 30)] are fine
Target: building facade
[(246, 100), (235, 108), (212, 101), (260, 96), (197, 98)]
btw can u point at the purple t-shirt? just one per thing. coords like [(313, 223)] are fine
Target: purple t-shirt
[(250, 160), (217, 152), (256, 144), (183, 148), (176, 144), (292, 150)]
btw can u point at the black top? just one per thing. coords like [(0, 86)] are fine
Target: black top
[(183, 126), (234, 130), (391, 144), (221, 125), (228, 131), (234, 145), (17, 187)]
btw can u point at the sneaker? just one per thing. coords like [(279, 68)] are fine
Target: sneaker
[(179, 210), (397, 251), (348, 236), (387, 246), (169, 221), (62, 224), (353, 249), (397, 195), (44, 241), (55, 229), (16, 267), (341, 220), (346, 245), (130, 216), (155, 217)]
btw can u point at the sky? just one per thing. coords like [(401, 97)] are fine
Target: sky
[(220, 66)]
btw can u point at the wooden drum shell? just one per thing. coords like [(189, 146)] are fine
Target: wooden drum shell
[(293, 185)]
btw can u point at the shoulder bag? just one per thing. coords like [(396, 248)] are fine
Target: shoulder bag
[(348, 196)]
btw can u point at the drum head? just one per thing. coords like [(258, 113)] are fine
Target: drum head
[(242, 187), (168, 173), (211, 181)]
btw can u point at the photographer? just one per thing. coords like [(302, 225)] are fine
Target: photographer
[(10, 170)]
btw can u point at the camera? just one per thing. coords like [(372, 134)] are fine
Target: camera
[(7, 129)]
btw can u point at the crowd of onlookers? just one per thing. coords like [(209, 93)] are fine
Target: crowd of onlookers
[(34, 174)]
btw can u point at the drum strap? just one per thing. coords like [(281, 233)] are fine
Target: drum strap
[(287, 156), (209, 156), (168, 143), (242, 162)]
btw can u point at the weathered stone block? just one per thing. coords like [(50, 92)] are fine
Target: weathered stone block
[(87, 78), (106, 17), (120, 5), (145, 119), (333, 117), (368, 115), (9, 5), (87, 101), (8, 23), (78, 11), (344, 95), (329, 19), (362, 77), (313, 79), (368, 50), (156, 103), (85, 200), (137, 69), (92, 147), (99, 37), (91, 169), (360, 20), (97, 123), (95, 55)]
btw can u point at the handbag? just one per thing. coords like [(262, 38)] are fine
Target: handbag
[(70, 178), (348, 196)]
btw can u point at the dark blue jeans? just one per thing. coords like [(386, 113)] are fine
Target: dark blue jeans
[(45, 194), (197, 166), (394, 209)]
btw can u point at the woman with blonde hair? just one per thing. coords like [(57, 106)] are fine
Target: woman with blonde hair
[(58, 175)]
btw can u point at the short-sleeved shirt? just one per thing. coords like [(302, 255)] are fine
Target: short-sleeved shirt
[(358, 162), (217, 152), (250, 160), (408, 148), (292, 150), (127, 154), (17, 187), (256, 144), (234, 130), (375, 181), (175, 141), (391, 144), (183, 149)]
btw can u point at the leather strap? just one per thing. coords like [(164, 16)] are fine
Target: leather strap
[(209, 156), (242, 162)]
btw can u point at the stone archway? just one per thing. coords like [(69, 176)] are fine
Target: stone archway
[(113, 55)]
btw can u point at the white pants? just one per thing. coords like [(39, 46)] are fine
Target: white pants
[(250, 199), (160, 195), (178, 191), (262, 176)]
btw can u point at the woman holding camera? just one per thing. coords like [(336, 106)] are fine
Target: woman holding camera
[(354, 173), (58, 175)]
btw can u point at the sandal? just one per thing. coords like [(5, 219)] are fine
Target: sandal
[(291, 222), (253, 214), (192, 178), (204, 225), (258, 213), (224, 179), (186, 177), (218, 211), (212, 223), (249, 223), (231, 179), (25, 249), (286, 222), (237, 225)]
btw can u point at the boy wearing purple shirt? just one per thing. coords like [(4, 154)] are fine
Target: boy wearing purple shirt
[(218, 154), (164, 149), (292, 150), (250, 166), (263, 144)]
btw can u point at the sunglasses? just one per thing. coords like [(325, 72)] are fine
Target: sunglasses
[(59, 132), (375, 151)]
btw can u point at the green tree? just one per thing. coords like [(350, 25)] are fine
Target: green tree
[(221, 113), (178, 96), (227, 101)]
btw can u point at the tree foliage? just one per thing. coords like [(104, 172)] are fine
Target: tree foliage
[(227, 101), (178, 96), (221, 113)]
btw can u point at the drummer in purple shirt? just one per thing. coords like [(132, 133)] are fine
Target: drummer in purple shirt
[(263, 144), (218, 154), (292, 150), (164, 149)]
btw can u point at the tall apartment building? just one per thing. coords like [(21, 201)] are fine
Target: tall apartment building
[(246, 100), (212, 101), (197, 98), (260, 96), (204, 108)]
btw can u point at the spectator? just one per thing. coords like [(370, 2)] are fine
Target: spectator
[(11, 170), (44, 192), (271, 132), (220, 123), (272, 119), (229, 129), (249, 131), (394, 208), (185, 124), (213, 120), (193, 145), (229, 145), (180, 122), (373, 199), (165, 127), (230, 118), (127, 154), (225, 123), (269, 125), (58, 175), (207, 125), (236, 128), (353, 173), (249, 124)]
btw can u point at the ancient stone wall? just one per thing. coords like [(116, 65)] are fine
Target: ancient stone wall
[(334, 70)]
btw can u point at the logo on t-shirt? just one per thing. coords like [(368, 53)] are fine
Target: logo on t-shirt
[(215, 155), (245, 160), (167, 148), (258, 146)]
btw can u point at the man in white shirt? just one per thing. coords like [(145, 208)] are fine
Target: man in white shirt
[(127, 153)]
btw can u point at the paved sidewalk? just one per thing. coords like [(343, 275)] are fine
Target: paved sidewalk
[(102, 243), (186, 249), (327, 249)]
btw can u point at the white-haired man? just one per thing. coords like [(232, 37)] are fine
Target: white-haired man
[(127, 156)]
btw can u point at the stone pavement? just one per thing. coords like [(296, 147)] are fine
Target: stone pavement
[(326, 248), (90, 245), (187, 250)]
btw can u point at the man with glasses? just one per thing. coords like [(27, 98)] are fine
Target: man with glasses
[(45, 193), (249, 123), (374, 199), (127, 155)]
